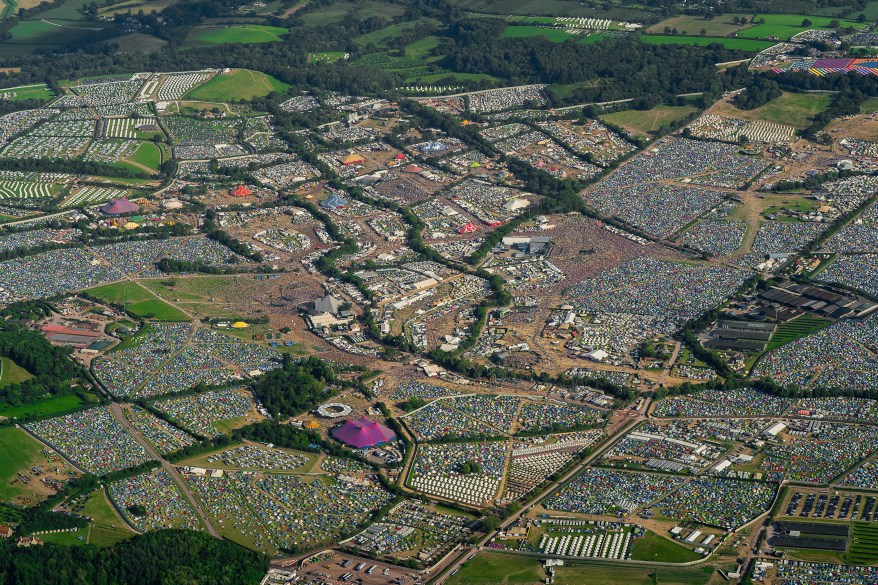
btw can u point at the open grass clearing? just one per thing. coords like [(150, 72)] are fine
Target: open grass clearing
[(555, 35), (652, 547), (20, 452), (242, 84), (50, 406), (718, 26), (107, 527), (12, 373), (644, 122), (794, 109), (138, 301)]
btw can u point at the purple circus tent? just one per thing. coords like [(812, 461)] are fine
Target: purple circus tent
[(363, 433), (119, 207)]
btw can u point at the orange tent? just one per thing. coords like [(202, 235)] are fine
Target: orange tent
[(241, 191)]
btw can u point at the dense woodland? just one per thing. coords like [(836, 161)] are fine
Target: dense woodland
[(165, 557), (296, 387)]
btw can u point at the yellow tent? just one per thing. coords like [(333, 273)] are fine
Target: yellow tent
[(131, 225), (312, 424), (239, 325)]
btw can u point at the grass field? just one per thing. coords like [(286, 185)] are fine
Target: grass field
[(20, 451), (12, 373), (107, 528), (30, 35), (740, 44), (796, 329), (869, 106), (646, 121), (553, 34), (138, 301), (863, 544), (243, 84), (337, 11), (795, 109), (29, 92), (147, 6), (653, 547), (784, 26), (148, 155), (45, 407), (208, 36), (325, 57), (502, 569)]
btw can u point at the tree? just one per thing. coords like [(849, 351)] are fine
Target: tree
[(806, 22), (703, 32)]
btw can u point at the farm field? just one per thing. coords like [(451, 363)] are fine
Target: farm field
[(740, 44), (795, 109), (30, 35), (553, 34), (206, 36), (718, 26), (147, 6), (644, 122), (337, 12), (243, 84), (12, 373), (784, 26)]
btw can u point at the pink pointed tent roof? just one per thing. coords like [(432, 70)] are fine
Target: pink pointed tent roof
[(119, 207), (362, 433)]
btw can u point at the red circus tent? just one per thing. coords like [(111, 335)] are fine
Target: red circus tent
[(467, 228), (400, 156), (241, 191), (363, 433)]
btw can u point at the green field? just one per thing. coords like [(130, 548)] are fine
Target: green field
[(325, 57), (148, 155), (337, 11), (740, 44), (863, 544), (555, 35), (45, 407), (207, 36), (718, 26), (796, 329), (784, 26), (645, 122), (29, 92), (381, 36), (12, 373), (107, 528), (869, 106), (794, 109), (653, 547), (138, 301), (243, 84), (20, 451), (500, 569), (30, 35)]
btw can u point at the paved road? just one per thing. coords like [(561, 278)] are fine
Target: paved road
[(116, 409)]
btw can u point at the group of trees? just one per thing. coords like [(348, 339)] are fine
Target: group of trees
[(298, 386), (52, 370), (163, 557)]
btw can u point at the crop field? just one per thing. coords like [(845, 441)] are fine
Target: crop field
[(12, 373), (863, 544), (243, 84), (795, 109), (718, 26), (205, 36), (646, 121), (740, 44), (796, 329)]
